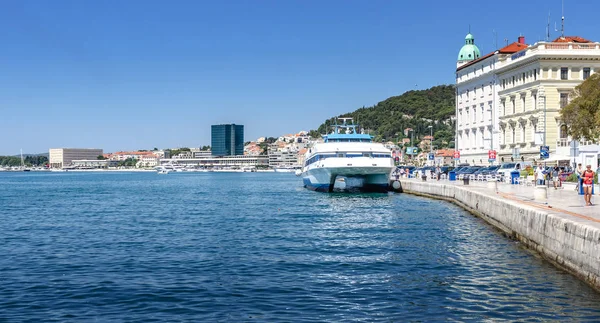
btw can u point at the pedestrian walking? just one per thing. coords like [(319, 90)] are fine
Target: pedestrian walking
[(438, 172), (555, 179), (539, 175), (578, 172), (588, 182)]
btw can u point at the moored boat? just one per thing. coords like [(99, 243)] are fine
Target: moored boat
[(350, 154)]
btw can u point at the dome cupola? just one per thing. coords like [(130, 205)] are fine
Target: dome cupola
[(469, 51)]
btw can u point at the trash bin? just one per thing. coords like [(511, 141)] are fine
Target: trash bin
[(514, 177), (452, 175), (423, 177), (466, 179)]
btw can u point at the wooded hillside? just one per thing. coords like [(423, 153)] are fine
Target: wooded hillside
[(415, 109)]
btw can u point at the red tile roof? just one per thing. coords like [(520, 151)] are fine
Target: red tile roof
[(475, 61), (512, 48), (508, 49), (571, 39)]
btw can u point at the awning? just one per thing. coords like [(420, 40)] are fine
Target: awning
[(555, 158)]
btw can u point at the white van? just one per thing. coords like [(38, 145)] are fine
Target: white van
[(506, 168)]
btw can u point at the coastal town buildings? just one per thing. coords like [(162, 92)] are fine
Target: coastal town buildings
[(508, 100), (63, 157)]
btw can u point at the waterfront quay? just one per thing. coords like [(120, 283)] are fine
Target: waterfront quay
[(560, 228)]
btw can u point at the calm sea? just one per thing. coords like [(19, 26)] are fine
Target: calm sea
[(237, 247)]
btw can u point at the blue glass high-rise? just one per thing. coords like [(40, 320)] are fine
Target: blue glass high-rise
[(227, 140)]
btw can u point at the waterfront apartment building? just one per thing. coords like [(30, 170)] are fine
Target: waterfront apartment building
[(509, 100), (63, 157), (227, 140)]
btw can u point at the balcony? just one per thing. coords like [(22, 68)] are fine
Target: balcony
[(565, 142)]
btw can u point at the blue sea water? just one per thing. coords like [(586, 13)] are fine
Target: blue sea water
[(257, 247)]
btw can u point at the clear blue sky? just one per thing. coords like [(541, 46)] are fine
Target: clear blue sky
[(123, 75)]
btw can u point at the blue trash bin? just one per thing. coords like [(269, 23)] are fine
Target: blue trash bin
[(452, 175), (514, 177)]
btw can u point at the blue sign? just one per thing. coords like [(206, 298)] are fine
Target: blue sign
[(431, 156), (544, 152)]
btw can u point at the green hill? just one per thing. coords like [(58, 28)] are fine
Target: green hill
[(414, 109)]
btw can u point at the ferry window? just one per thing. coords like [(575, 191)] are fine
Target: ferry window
[(340, 154), (366, 154)]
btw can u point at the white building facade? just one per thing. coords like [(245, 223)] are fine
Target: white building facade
[(534, 84), (476, 101), (62, 157)]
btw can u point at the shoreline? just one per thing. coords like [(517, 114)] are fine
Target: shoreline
[(567, 242)]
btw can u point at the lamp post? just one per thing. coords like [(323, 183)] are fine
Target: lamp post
[(542, 94), (431, 141)]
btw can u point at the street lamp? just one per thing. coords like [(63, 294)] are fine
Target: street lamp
[(430, 140)]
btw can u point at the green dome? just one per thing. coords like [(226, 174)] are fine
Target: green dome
[(469, 51)]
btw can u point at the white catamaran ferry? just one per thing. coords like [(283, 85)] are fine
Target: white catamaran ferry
[(349, 154)]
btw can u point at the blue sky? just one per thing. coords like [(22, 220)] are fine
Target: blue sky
[(124, 75)]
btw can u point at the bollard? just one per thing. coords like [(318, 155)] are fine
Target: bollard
[(540, 193)]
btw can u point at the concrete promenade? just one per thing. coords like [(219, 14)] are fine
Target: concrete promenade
[(564, 231)]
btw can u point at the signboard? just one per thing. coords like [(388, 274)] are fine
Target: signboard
[(456, 154), (431, 156), (411, 150), (538, 138), (491, 155), (544, 152)]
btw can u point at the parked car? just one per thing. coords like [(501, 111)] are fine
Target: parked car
[(505, 169)]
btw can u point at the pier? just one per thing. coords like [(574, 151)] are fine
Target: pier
[(560, 228)]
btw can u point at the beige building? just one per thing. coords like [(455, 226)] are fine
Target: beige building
[(533, 85), (63, 157)]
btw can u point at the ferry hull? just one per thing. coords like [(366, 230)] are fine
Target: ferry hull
[(373, 179)]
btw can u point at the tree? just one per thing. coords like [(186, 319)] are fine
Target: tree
[(582, 114), (100, 157)]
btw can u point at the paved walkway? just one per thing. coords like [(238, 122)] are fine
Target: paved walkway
[(564, 201)]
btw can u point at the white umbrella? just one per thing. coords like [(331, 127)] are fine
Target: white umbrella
[(555, 158)]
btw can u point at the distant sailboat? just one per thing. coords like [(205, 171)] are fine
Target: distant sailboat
[(23, 168)]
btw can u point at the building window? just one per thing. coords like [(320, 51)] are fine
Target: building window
[(522, 133), (482, 113), (564, 73), (586, 73), (563, 132), (503, 137), (523, 102), (474, 113), (535, 74), (564, 100), (513, 106), (534, 101), (514, 137)]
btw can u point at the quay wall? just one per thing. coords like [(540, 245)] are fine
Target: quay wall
[(568, 242)]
